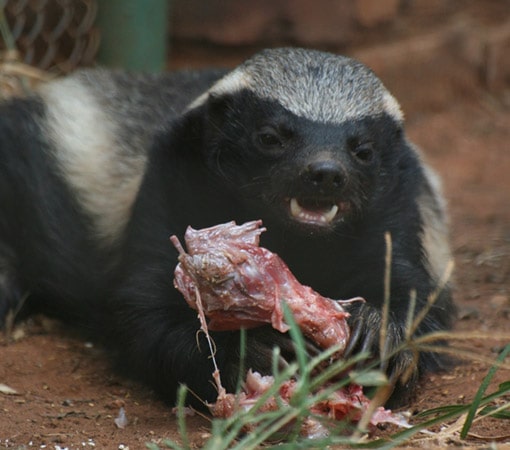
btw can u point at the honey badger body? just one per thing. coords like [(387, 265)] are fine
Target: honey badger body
[(309, 142), (72, 157), (313, 145)]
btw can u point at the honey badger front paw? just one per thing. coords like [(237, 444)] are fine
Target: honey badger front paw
[(393, 358)]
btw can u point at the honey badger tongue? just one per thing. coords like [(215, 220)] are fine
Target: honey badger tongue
[(318, 216)]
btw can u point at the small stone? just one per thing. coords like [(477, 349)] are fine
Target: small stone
[(499, 301), (468, 313)]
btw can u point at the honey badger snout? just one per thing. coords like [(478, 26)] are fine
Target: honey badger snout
[(318, 198), (324, 177)]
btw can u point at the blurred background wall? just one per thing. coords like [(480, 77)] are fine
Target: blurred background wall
[(429, 52)]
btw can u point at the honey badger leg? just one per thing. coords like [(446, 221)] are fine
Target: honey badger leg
[(399, 366), (402, 366)]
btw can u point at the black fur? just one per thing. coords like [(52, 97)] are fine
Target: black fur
[(220, 172), (234, 157), (45, 246)]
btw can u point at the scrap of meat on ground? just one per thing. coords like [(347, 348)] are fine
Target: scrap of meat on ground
[(348, 403), (233, 282)]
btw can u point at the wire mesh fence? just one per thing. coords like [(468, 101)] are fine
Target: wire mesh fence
[(53, 35), (41, 39)]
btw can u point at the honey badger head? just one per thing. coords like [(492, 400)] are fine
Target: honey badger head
[(304, 135)]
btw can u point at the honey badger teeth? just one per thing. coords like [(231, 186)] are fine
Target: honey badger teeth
[(320, 216)]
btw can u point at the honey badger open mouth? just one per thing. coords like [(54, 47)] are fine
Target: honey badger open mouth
[(317, 212)]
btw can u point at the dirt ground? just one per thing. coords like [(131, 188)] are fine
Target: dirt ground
[(68, 397)]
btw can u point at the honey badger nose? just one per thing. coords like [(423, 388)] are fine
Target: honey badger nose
[(324, 175)]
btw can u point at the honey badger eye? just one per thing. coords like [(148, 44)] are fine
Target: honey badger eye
[(269, 138), (364, 153)]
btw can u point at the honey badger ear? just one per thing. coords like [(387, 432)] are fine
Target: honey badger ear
[(210, 105), (219, 104), (199, 127), (217, 109)]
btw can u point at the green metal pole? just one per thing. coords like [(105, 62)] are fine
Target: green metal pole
[(134, 34)]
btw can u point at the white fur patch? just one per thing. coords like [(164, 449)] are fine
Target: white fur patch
[(86, 149), (231, 83), (392, 107), (314, 85), (435, 231)]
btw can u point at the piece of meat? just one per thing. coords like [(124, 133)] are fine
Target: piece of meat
[(348, 403), (235, 283), (244, 285)]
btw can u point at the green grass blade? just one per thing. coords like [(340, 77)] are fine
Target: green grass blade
[(152, 446), (497, 413), (446, 413), (481, 390), (242, 359), (297, 338), (181, 416)]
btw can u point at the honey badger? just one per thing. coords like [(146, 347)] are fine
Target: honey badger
[(99, 170)]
